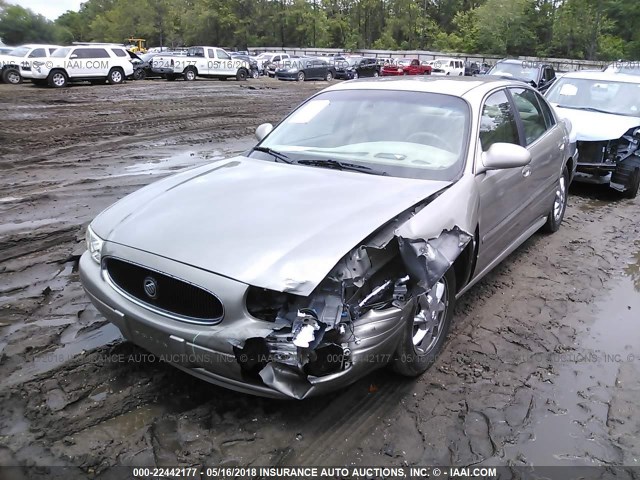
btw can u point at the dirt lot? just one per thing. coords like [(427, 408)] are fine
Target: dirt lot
[(542, 366)]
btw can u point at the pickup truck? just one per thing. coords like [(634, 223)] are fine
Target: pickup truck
[(406, 66), (206, 62)]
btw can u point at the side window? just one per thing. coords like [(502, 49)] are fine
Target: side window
[(498, 123), (119, 52), (223, 55), (276, 58), (37, 52), (548, 74), (91, 53), (530, 113), (546, 111), (51, 50), (211, 53)]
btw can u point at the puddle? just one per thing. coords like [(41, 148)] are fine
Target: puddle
[(74, 344), (573, 430), (632, 269)]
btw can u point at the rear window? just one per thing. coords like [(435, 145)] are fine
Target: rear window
[(119, 52)]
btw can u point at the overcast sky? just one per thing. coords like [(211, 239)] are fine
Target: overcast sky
[(51, 9)]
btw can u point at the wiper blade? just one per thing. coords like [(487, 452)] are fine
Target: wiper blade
[(335, 164), (590, 109), (274, 153)]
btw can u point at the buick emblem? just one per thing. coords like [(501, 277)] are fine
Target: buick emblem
[(150, 287)]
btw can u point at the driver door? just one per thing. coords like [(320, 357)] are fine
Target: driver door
[(501, 191)]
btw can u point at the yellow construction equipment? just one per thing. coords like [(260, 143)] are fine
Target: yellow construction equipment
[(140, 45)]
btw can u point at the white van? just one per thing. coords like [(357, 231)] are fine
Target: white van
[(448, 66)]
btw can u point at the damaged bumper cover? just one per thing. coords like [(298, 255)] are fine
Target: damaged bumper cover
[(281, 345)]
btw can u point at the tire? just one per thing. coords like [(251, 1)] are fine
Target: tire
[(189, 74), (412, 360), (255, 74), (328, 77), (300, 77), (627, 173), (58, 79), (242, 75), (11, 76), (115, 77), (139, 74), (559, 206), (376, 74), (355, 75)]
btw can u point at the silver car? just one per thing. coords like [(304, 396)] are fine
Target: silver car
[(338, 244)]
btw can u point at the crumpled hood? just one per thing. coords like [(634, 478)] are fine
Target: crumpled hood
[(272, 225), (596, 126)]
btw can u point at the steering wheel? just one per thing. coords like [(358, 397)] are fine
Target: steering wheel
[(430, 139)]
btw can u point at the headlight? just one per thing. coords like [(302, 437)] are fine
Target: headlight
[(94, 245)]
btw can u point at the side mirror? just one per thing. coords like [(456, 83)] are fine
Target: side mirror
[(263, 130), (504, 155)]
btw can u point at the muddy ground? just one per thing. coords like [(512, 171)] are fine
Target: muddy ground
[(542, 366)]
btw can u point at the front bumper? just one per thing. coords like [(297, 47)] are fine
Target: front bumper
[(286, 76), (206, 351), (344, 75)]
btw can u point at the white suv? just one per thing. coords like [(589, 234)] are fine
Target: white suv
[(12, 63), (447, 66), (94, 63)]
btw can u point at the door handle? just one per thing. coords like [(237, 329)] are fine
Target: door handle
[(526, 171)]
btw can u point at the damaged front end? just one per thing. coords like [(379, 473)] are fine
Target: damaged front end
[(611, 161), (352, 322)]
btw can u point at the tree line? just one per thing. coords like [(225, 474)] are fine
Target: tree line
[(582, 29)]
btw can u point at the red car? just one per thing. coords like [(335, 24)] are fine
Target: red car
[(406, 67)]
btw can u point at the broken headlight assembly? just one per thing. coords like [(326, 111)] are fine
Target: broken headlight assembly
[(94, 245)]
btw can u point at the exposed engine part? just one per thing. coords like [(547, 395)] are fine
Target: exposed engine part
[(307, 330)]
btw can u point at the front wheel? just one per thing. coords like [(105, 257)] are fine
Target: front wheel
[(555, 216), (139, 74), (426, 328), (627, 173), (241, 75), (355, 75), (329, 77), (255, 74), (58, 79), (12, 76), (189, 75), (376, 74), (300, 77)]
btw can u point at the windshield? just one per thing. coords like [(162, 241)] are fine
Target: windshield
[(620, 98), (61, 52), (397, 133), (20, 52), (623, 68), (517, 70)]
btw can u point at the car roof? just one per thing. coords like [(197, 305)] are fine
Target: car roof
[(457, 86), (37, 45), (600, 75)]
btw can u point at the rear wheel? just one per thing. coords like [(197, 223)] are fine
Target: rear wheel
[(115, 77), (555, 216), (12, 76), (58, 79), (426, 328), (300, 77), (627, 173)]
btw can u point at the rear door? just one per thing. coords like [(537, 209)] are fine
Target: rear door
[(546, 142), (501, 191)]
